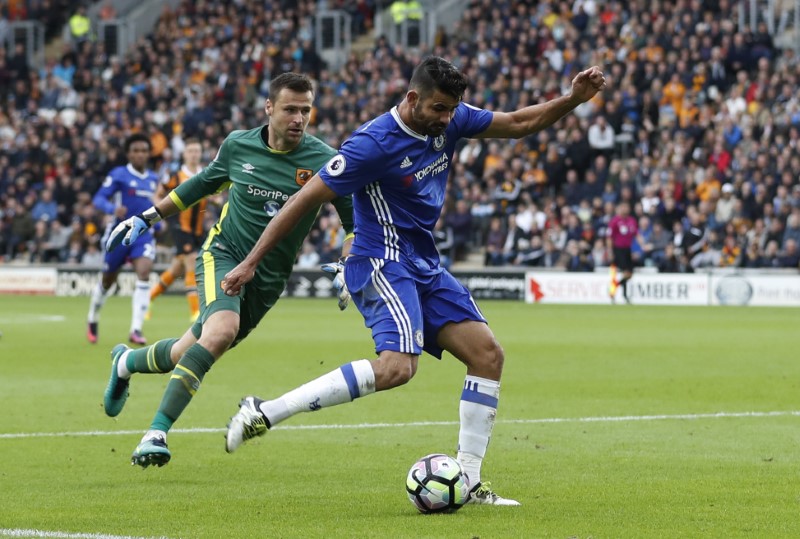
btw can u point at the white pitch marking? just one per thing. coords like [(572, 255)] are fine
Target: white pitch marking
[(16, 532), (31, 318), (360, 426)]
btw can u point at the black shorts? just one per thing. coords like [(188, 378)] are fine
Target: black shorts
[(185, 242), (623, 258)]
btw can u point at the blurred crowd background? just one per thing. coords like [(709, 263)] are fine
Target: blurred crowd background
[(699, 128)]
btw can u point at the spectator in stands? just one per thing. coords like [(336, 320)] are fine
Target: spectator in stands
[(495, 240), (752, 257), (5, 27), (80, 26), (107, 11), (92, 257), (21, 229), (45, 209), (674, 262), (790, 255), (18, 63), (309, 256), (460, 222), (54, 246), (601, 138), (577, 257), (792, 230), (771, 256)]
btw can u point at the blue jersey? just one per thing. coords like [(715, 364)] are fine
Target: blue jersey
[(398, 179), (125, 186)]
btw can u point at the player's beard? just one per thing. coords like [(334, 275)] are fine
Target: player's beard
[(424, 126)]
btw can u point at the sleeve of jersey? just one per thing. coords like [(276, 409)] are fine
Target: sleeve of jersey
[(207, 182), (357, 164), (471, 120), (106, 191)]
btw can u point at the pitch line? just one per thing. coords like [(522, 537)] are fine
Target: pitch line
[(31, 318), (362, 426), (16, 532)]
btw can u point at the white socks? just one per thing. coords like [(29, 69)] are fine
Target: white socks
[(347, 383), (477, 412), (154, 434), (140, 303), (122, 366), (99, 295)]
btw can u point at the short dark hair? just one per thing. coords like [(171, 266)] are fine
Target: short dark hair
[(295, 82), (136, 137), (192, 140), (436, 73)]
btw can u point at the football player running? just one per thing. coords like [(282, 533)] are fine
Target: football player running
[(396, 166), (264, 167)]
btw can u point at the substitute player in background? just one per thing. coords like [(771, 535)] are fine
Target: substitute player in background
[(264, 168), (622, 230), (397, 167), (188, 231), (126, 191)]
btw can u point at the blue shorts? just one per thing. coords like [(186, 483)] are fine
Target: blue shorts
[(144, 246), (405, 309)]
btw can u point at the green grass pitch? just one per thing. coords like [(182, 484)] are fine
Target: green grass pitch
[(614, 422)]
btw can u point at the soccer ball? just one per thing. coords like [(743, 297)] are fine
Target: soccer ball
[(437, 484)]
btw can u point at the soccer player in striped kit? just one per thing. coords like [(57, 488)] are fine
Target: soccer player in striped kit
[(188, 231), (397, 166)]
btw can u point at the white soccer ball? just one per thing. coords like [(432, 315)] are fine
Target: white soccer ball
[(437, 484)]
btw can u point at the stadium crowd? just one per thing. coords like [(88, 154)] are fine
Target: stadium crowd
[(699, 128)]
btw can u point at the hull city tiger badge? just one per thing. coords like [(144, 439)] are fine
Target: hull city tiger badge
[(302, 175)]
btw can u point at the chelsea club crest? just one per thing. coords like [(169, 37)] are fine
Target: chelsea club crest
[(438, 142)]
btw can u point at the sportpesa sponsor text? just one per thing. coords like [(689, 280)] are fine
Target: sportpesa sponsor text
[(273, 195)]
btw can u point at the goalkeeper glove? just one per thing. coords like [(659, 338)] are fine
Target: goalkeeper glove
[(337, 269), (131, 228)]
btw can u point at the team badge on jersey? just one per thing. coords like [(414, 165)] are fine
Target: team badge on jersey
[(302, 175), (336, 165), (420, 340), (439, 142)]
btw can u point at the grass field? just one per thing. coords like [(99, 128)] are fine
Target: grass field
[(614, 422)]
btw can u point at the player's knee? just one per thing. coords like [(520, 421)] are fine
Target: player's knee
[(492, 358), (223, 338), (394, 369), (219, 339)]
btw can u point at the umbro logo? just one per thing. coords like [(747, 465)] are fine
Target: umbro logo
[(247, 168), (406, 162)]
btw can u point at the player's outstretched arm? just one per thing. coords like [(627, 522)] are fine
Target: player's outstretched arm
[(532, 119), (311, 196)]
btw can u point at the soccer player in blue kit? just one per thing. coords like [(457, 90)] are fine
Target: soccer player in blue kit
[(127, 191), (396, 166)]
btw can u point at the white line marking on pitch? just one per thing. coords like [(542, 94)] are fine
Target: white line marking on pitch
[(30, 318), (7, 532), (359, 426)]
